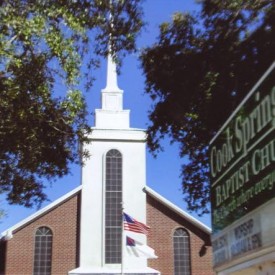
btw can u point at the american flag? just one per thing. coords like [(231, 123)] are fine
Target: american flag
[(131, 224)]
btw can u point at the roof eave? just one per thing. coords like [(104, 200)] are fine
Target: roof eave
[(178, 210), (8, 233)]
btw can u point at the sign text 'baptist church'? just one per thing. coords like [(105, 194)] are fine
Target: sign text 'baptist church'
[(242, 156)]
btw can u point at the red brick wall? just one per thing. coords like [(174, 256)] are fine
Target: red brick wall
[(63, 221), (163, 222)]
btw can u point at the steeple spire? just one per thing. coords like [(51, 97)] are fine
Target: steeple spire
[(111, 82), (111, 96), (111, 115)]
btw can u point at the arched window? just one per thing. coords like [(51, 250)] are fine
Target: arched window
[(113, 200), (43, 251), (181, 242)]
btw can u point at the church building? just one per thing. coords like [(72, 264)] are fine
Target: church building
[(83, 232)]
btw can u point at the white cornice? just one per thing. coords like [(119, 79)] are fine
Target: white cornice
[(177, 210), (130, 134), (107, 270)]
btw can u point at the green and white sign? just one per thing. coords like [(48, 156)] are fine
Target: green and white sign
[(242, 156)]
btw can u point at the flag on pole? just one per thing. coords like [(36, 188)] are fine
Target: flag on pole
[(131, 224), (140, 250)]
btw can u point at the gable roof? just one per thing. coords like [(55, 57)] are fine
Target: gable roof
[(177, 210), (7, 234)]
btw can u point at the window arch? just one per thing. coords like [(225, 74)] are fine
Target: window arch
[(181, 241), (113, 200), (43, 251)]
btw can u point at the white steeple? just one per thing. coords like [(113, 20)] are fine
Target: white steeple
[(111, 115), (112, 132)]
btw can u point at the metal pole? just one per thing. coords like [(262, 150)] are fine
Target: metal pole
[(122, 240)]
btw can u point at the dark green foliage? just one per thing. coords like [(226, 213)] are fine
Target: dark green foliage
[(201, 67), (42, 44)]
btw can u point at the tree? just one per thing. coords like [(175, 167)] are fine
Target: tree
[(198, 71), (44, 44)]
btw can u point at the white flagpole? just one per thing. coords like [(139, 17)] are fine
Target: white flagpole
[(122, 240)]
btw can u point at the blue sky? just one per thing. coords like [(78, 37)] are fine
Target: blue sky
[(162, 172)]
